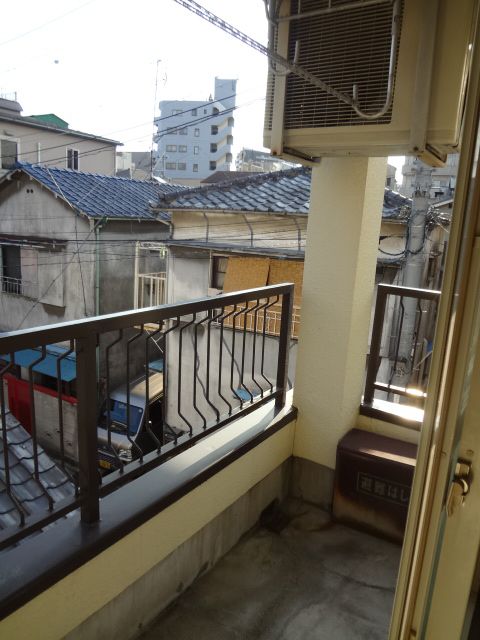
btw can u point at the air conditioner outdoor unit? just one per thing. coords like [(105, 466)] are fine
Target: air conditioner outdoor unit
[(423, 45)]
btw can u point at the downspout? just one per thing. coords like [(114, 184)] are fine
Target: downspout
[(250, 228), (299, 234), (207, 226)]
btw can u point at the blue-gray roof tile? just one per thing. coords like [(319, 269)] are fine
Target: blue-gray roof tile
[(97, 195)]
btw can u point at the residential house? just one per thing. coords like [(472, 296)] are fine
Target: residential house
[(134, 164), (144, 535), (259, 161), (47, 139), (194, 137), (69, 243)]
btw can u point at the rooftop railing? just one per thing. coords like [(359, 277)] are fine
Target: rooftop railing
[(211, 372), (401, 344)]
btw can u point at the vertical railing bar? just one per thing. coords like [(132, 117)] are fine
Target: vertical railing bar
[(195, 358), (416, 333), (6, 454), (242, 368), (220, 357), (232, 362), (165, 382), (255, 310), (399, 337), (284, 349), (210, 318), (107, 401), (375, 345), (60, 413), (129, 437), (264, 331), (179, 379), (89, 478), (150, 336)]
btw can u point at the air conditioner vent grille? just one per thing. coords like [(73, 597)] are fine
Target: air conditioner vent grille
[(344, 48)]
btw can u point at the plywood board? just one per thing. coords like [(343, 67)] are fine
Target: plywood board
[(287, 271), (245, 273)]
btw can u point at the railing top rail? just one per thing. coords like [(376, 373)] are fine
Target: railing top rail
[(38, 336), (409, 292)]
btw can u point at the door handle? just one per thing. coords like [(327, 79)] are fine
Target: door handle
[(459, 487)]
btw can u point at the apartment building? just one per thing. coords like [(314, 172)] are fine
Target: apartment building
[(194, 137), (47, 139)]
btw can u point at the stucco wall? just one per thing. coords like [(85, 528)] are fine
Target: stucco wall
[(95, 156)]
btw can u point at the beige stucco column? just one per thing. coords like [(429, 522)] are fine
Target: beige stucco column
[(342, 240)]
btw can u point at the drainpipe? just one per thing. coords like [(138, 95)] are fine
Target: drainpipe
[(207, 226), (250, 228)]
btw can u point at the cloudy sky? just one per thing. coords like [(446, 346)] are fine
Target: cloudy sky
[(99, 64)]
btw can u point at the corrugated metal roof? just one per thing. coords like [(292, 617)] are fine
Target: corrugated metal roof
[(98, 195), (285, 192), (29, 493), (47, 366)]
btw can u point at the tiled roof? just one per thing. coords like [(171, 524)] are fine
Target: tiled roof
[(280, 192), (26, 489), (225, 176), (98, 195), (286, 191)]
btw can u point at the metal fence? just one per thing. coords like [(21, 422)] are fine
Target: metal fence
[(401, 344), (18, 287), (212, 373)]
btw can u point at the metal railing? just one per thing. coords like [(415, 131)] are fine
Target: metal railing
[(18, 287), (402, 335), (212, 374), (151, 289)]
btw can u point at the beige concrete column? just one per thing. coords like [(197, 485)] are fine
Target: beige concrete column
[(342, 240)]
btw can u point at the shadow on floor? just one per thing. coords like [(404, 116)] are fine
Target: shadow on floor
[(297, 577)]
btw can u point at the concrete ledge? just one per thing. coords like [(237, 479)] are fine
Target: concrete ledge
[(74, 570)]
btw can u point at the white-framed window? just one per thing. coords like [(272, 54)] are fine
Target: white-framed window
[(218, 268), (214, 130), (8, 153), (170, 165), (182, 166), (72, 159), (196, 133), (215, 111), (194, 112), (176, 112), (196, 150), (195, 168), (183, 131), (213, 147), (182, 148), (171, 147), (213, 165)]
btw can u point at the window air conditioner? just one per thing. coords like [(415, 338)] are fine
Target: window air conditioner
[(423, 45)]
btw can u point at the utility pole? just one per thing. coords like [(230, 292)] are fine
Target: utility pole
[(413, 271)]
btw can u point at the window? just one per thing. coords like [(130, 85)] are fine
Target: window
[(183, 131), (72, 159), (196, 150), (171, 147), (204, 112), (11, 270), (182, 148), (219, 268), (213, 165), (194, 112), (195, 168), (196, 133), (181, 166), (8, 153), (176, 112), (215, 111), (213, 147), (214, 130), (170, 165)]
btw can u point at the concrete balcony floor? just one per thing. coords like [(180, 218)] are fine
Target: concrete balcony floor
[(297, 576)]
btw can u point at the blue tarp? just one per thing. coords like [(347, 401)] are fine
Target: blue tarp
[(48, 366)]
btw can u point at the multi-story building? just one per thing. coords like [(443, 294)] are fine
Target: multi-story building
[(47, 139), (195, 138), (443, 178), (260, 161)]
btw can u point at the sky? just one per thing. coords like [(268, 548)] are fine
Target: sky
[(103, 65)]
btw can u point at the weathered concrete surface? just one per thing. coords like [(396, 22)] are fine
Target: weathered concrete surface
[(291, 580)]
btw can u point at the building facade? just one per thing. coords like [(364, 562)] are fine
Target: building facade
[(443, 178), (194, 138), (259, 161), (47, 139)]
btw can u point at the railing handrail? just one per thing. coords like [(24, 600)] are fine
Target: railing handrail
[(383, 291), (11, 341)]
